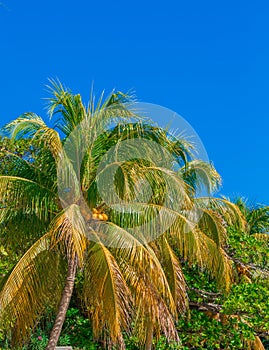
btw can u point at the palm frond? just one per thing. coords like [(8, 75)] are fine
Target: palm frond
[(31, 125), (230, 212), (150, 307), (135, 182), (258, 220), (16, 228), (18, 193), (96, 118), (201, 176), (67, 105), (213, 225), (147, 221), (174, 273), (69, 227), (39, 167), (196, 247), (26, 291), (126, 247), (106, 294), (256, 216)]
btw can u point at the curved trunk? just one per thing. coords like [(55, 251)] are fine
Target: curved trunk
[(66, 296)]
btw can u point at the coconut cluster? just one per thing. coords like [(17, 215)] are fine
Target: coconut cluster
[(98, 215)]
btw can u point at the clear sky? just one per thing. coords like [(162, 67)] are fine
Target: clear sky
[(206, 60)]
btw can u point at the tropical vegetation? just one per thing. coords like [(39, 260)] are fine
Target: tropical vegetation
[(105, 243)]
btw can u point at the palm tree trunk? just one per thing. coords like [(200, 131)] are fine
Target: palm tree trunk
[(149, 337), (66, 296)]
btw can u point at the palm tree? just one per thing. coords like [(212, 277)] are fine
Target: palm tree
[(256, 216), (123, 247)]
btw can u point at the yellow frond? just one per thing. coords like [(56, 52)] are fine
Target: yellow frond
[(26, 292), (69, 227), (106, 294), (173, 273), (196, 247)]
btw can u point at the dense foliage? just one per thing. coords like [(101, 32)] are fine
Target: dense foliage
[(215, 321)]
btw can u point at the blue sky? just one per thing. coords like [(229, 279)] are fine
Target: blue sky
[(206, 60)]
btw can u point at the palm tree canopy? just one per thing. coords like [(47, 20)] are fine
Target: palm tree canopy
[(124, 245)]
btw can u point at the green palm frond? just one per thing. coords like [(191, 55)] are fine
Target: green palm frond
[(230, 212), (201, 176), (18, 193), (178, 147), (39, 167), (147, 221), (129, 144), (25, 125), (84, 126), (258, 220), (33, 126), (96, 117), (16, 228), (256, 216), (69, 107), (134, 182), (20, 166)]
